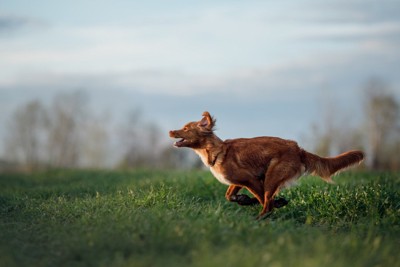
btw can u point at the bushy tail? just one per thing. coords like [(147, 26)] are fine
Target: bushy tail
[(326, 167)]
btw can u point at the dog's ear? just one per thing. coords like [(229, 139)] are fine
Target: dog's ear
[(207, 122)]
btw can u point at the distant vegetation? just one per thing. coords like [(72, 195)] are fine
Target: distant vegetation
[(171, 218), (377, 133), (67, 134)]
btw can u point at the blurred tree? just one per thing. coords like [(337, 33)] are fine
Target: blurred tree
[(325, 133), (66, 134), (382, 122), (141, 142), (95, 145), (174, 158), (322, 139), (66, 123), (129, 140), (26, 135), (379, 137)]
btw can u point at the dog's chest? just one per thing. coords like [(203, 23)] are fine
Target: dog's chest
[(203, 156), (220, 176), (215, 170)]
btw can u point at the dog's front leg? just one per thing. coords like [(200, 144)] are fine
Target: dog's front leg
[(242, 199), (231, 193)]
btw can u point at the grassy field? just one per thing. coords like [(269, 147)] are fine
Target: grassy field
[(170, 218)]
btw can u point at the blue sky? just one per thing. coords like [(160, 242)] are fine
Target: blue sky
[(261, 67)]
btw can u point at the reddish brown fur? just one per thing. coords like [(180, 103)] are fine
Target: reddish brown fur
[(262, 165)]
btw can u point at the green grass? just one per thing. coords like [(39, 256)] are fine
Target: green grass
[(169, 218)]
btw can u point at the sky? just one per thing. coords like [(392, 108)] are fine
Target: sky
[(260, 67)]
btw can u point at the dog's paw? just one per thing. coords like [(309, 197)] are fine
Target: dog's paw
[(280, 202), (245, 200)]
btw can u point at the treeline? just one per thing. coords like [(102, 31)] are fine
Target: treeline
[(377, 132), (66, 133)]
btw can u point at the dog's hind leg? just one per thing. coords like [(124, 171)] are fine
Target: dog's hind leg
[(276, 176), (256, 188)]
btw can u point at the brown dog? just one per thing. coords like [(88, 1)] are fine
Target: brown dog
[(262, 165)]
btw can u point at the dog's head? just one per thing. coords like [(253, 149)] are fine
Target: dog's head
[(194, 134)]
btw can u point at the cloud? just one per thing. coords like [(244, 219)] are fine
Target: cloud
[(12, 23), (342, 12), (224, 48), (303, 74), (353, 31)]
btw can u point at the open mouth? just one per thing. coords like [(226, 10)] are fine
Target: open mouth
[(180, 142)]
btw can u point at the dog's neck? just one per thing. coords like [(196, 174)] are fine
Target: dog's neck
[(212, 151)]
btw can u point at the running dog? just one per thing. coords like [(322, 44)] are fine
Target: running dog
[(262, 165)]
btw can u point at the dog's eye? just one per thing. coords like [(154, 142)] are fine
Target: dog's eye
[(186, 129)]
